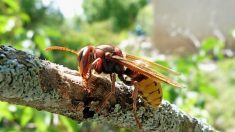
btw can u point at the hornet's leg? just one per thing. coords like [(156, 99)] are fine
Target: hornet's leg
[(134, 97), (97, 65), (113, 90)]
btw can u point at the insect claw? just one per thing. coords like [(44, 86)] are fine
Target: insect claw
[(104, 102), (99, 108), (138, 121), (86, 86), (113, 89)]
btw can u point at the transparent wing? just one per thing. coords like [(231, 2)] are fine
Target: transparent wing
[(142, 69), (151, 64)]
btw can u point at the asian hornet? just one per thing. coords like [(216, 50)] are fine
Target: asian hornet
[(130, 69)]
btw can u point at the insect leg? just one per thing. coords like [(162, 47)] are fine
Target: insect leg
[(88, 75), (113, 90), (97, 65), (134, 97)]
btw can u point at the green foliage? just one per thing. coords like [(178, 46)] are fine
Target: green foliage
[(104, 35), (21, 118), (122, 13), (196, 79), (213, 46), (233, 33), (40, 14), (145, 19), (208, 92), (22, 23)]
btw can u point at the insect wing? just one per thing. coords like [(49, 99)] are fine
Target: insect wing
[(146, 71), (151, 64)]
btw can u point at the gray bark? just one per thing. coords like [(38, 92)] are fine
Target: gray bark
[(29, 81)]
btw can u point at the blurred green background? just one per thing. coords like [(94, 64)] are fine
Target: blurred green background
[(33, 25)]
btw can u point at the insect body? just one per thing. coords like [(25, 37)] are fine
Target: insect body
[(111, 60), (151, 91), (148, 88)]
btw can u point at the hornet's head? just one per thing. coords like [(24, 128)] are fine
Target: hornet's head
[(85, 58)]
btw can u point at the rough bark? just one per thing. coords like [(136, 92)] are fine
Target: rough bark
[(26, 80)]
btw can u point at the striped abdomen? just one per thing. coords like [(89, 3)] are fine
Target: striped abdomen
[(151, 91)]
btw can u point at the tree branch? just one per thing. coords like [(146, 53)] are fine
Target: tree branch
[(29, 81)]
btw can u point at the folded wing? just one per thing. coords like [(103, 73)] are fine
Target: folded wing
[(147, 71)]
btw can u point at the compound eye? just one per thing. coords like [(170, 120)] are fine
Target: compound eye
[(91, 53), (79, 58)]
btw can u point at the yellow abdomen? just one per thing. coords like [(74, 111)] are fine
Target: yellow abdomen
[(151, 91)]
